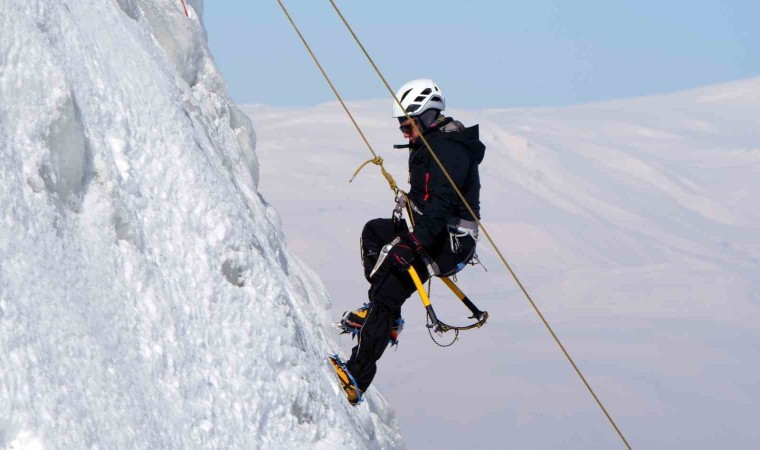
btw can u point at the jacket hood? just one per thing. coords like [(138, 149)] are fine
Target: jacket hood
[(469, 136), (472, 135)]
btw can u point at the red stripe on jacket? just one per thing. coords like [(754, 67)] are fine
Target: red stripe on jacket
[(427, 193)]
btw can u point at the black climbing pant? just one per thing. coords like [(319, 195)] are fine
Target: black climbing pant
[(389, 289)]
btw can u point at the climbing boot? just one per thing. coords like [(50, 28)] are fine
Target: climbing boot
[(352, 322), (347, 382)]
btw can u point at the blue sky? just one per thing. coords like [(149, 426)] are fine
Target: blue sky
[(484, 53)]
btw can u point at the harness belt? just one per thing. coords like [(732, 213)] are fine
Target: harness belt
[(457, 228), (461, 227)]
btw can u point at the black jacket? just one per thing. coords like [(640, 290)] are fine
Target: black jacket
[(460, 151)]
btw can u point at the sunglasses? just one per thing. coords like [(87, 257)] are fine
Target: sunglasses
[(408, 126)]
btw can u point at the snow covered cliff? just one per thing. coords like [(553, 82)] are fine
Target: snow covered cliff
[(147, 298)]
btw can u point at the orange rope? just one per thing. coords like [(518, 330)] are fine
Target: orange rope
[(184, 7)]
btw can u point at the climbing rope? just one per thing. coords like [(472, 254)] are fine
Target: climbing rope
[(185, 8), (485, 232), (456, 189), (379, 162), (335, 91)]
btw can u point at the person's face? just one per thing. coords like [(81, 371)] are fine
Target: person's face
[(410, 128)]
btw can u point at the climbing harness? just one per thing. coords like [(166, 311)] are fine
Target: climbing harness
[(418, 283), (457, 228)]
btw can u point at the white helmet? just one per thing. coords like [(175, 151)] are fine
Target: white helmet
[(418, 96)]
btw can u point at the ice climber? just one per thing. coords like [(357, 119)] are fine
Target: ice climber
[(444, 236)]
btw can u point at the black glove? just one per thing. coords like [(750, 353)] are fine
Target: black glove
[(403, 253)]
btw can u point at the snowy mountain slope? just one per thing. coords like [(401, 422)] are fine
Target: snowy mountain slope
[(633, 224), (147, 297)]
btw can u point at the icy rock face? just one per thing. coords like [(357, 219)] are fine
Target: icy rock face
[(197, 6), (130, 8), (147, 297), (64, 168)]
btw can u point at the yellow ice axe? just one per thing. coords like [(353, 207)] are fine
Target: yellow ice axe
[(480, 316), (424, 297)]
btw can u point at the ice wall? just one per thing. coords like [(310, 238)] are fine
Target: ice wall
[(147, 297)]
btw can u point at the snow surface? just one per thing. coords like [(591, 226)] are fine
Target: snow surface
[(147, 297), (633, 224)]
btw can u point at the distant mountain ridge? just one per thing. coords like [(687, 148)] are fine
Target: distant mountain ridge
[(634, 225)]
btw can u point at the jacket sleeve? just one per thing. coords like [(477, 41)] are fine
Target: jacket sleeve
[(443, 199)]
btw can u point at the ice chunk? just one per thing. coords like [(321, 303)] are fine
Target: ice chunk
[(246, 139), (197, 6), (130, 8), (182, 40)]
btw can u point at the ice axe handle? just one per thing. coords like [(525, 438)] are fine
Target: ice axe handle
[(420, 288), (476, 313), (425, 299)]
